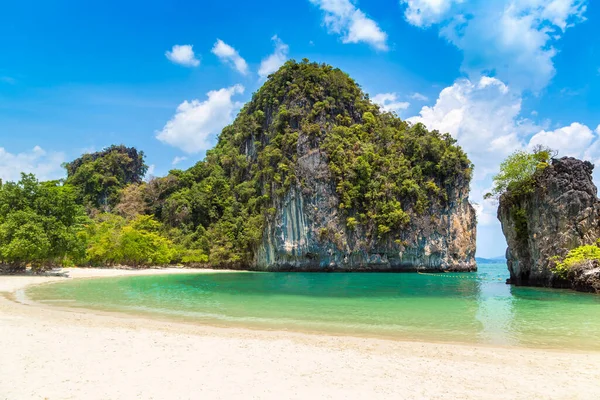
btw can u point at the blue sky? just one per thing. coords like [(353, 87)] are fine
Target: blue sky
[(499, 75)]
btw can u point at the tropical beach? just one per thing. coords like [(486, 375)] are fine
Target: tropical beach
[(311, 199), (55, 353)]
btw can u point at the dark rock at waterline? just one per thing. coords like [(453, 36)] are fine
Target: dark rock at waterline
[(561, 213), (585, 277)]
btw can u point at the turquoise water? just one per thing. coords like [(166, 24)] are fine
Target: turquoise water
[(468, 308)]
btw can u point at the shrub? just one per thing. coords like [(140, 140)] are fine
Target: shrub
[(113, 240), (39, 224), (351, 223), (574, 257)]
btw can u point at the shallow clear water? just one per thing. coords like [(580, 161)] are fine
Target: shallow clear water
[(469, 308)]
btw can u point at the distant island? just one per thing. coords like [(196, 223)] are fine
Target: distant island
[(494, 260)]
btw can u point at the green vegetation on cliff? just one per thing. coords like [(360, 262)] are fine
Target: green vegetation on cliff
[(98, 177), (385, 171), (385, 168), (577, 256), (518, 171), (517, 179)]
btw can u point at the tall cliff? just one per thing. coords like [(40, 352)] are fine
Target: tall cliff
[(561, 213), (309, 232), (313, 176)]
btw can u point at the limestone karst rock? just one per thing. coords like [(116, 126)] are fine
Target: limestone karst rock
[(561, 213), (313, 176)]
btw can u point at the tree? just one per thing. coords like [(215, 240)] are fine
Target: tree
[(113, 240), (518, 170), (131, 201), (39, 224)]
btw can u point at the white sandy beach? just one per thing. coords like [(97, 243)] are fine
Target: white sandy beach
[(50, 353)]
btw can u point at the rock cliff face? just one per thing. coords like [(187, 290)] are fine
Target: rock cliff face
[(308, 233), (562, 212), (586, 277)]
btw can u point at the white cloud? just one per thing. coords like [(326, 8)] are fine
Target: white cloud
[(570, 140), (575, 140), (389, 102), (343, 18), (229, 55), (561, 13), (484, 116), (274, 61), (178, 160), (150, 172), (45, 165), (183, 55), (426, 12), (419, 97), (485, 208), (514, 40), (196, 123)]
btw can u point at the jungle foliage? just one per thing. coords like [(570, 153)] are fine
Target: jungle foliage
[(39, 224), (98, 177)]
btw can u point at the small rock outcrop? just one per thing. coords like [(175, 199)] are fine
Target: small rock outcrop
[(561, 213), (586, 276)]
